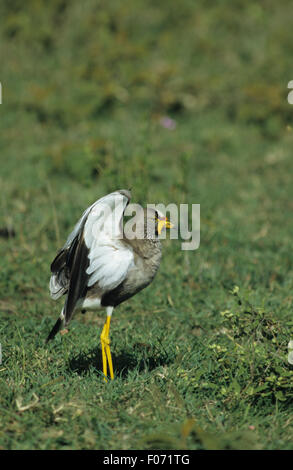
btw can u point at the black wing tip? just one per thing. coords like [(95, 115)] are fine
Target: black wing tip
[(58, 261), (54, 330)]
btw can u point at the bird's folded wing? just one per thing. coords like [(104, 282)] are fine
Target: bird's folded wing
[(93, 253), (109, 257)]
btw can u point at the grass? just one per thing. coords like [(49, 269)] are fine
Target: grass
[(200, 356)]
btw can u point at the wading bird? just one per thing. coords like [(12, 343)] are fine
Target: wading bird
[(100, 267)]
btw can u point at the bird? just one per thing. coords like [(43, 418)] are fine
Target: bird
[(101, 265)]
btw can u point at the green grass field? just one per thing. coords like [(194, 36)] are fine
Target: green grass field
[(199, 363)]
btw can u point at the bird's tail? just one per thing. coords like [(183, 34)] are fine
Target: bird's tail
[(59, 323)]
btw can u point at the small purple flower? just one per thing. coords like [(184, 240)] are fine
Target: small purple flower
[(167, 123)]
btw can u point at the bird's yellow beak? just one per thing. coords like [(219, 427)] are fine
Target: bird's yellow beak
[(163, 222)]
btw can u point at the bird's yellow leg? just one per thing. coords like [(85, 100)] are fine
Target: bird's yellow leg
[(104, 357), (106, 352)]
